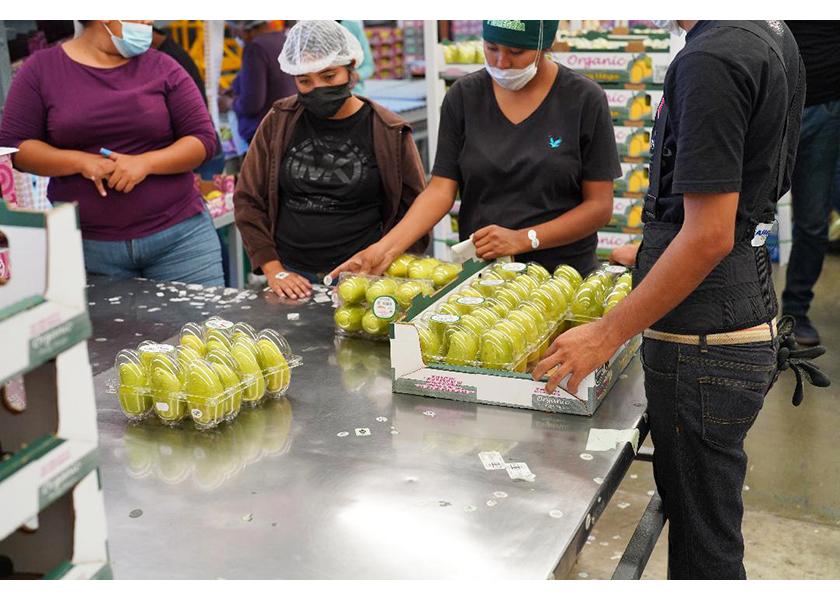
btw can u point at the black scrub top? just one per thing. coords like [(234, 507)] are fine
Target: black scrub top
[(522, 175)]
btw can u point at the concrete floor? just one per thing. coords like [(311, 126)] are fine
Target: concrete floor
[(792, 492)]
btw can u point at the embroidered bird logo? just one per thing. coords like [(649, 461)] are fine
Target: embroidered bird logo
[(554, 143)]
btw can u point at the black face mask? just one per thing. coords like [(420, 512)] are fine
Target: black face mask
[(324, 102)]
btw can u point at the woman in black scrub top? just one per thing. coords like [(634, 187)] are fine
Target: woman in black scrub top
[(529, 147)]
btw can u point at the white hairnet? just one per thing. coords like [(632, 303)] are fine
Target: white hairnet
[(313, 46)]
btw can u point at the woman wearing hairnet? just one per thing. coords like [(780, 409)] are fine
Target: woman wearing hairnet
[(530, 148), (328, 173)]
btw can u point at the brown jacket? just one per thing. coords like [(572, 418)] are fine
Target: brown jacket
[(257, 196)]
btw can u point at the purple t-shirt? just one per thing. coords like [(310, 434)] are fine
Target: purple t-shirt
[(146, 104)]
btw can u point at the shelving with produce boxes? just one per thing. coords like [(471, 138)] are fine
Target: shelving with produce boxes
[(387, 49), (49, 487)]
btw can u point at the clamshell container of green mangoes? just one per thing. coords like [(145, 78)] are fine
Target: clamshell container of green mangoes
[(481, 336), (366, 305), (217, 369)]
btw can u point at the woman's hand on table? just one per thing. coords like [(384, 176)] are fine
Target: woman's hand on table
[(129, 171), (373, 260), (97, 169), (493, 241), (286, 284)]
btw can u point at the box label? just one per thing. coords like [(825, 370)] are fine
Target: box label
[(57, 485), (57, 339)]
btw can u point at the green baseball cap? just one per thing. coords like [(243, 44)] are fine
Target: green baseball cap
[(530, 35)]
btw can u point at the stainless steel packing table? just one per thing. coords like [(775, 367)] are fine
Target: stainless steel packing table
[(343, 479)]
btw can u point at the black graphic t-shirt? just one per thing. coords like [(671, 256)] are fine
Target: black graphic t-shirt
[(331, 193)]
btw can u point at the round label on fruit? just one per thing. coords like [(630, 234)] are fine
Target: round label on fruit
[(470, 301), (162, 407), (157, 348), (196, 414), (616, 269), (445, 319), (515, 267), (491, 282), (385, 307), (217, 323)]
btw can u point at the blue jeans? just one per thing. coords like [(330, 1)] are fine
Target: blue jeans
[(188, 252), (701, 404), (813, 177)]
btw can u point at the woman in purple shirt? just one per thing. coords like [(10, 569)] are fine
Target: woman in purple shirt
[(140, 212)]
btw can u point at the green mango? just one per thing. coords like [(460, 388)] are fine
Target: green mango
[(205, 395), (274, 365), (132, 394), (250, 372)]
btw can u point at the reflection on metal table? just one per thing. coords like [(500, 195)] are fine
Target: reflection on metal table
[(343, 479)]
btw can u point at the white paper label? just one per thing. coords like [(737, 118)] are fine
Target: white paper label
[(492, 461), (385, 307), (470, 301), (491, 282), (157, 348), (520, 471), (446, 319), (616, 269), (196, 414), (162, 407), (216, 323), (514, 267), (362, 432), (762, 232), (321, 299)]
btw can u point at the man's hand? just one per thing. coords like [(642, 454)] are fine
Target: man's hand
[(493, 241), (129, 171), (373, 260), (578, 351), (288, 284), (625, 255), (97, 169)]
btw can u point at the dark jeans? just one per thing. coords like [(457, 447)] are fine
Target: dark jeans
[(701, 406), (309, 275), (813, 177)]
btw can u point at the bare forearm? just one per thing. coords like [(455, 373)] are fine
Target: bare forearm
[(574, 225), (428, 208), (43, 159), (184, 155)]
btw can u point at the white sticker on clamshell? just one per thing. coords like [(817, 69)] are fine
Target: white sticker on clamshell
[(445, 319), (470, 301), (514, 267), (491, 282), (519, 471), (196, 414), (156, 348), (217, 323), (363, 432), (385, 307), (162, 406), (616, 270), (492, 461)]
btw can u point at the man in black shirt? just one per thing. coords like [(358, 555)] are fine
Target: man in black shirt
[(722, 153), (819, 147)]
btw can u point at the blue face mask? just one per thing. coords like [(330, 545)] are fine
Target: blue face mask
[(136, 39)]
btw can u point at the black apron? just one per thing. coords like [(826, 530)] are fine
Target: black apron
[(738, 293)]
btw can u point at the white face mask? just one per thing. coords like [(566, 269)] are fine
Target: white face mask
[(512, 79), (670, 26)]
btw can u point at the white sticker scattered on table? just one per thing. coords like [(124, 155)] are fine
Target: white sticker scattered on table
[(385, 307), (623, 505), (583, 575), (601, 440), (119, 320), (182, 293), (616, 269), (429, 413), (293, 316), (615, 557), (322, 299), (604, 544), (586, 456), (520, 471), (153, 309), (115, 299), (555, 514), (470, 508), (394, 432), (194, 287), (382, 419), (162, 406), (514, 267), (500, 495), (598, 480), (196, 414), (248, 518), (591, 538), (491, 503), (634, 476), (342, 433), (101, 339), (616, 537), (246, 308), (91, 303), (362, 432), (746, 488), (492, 461)]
